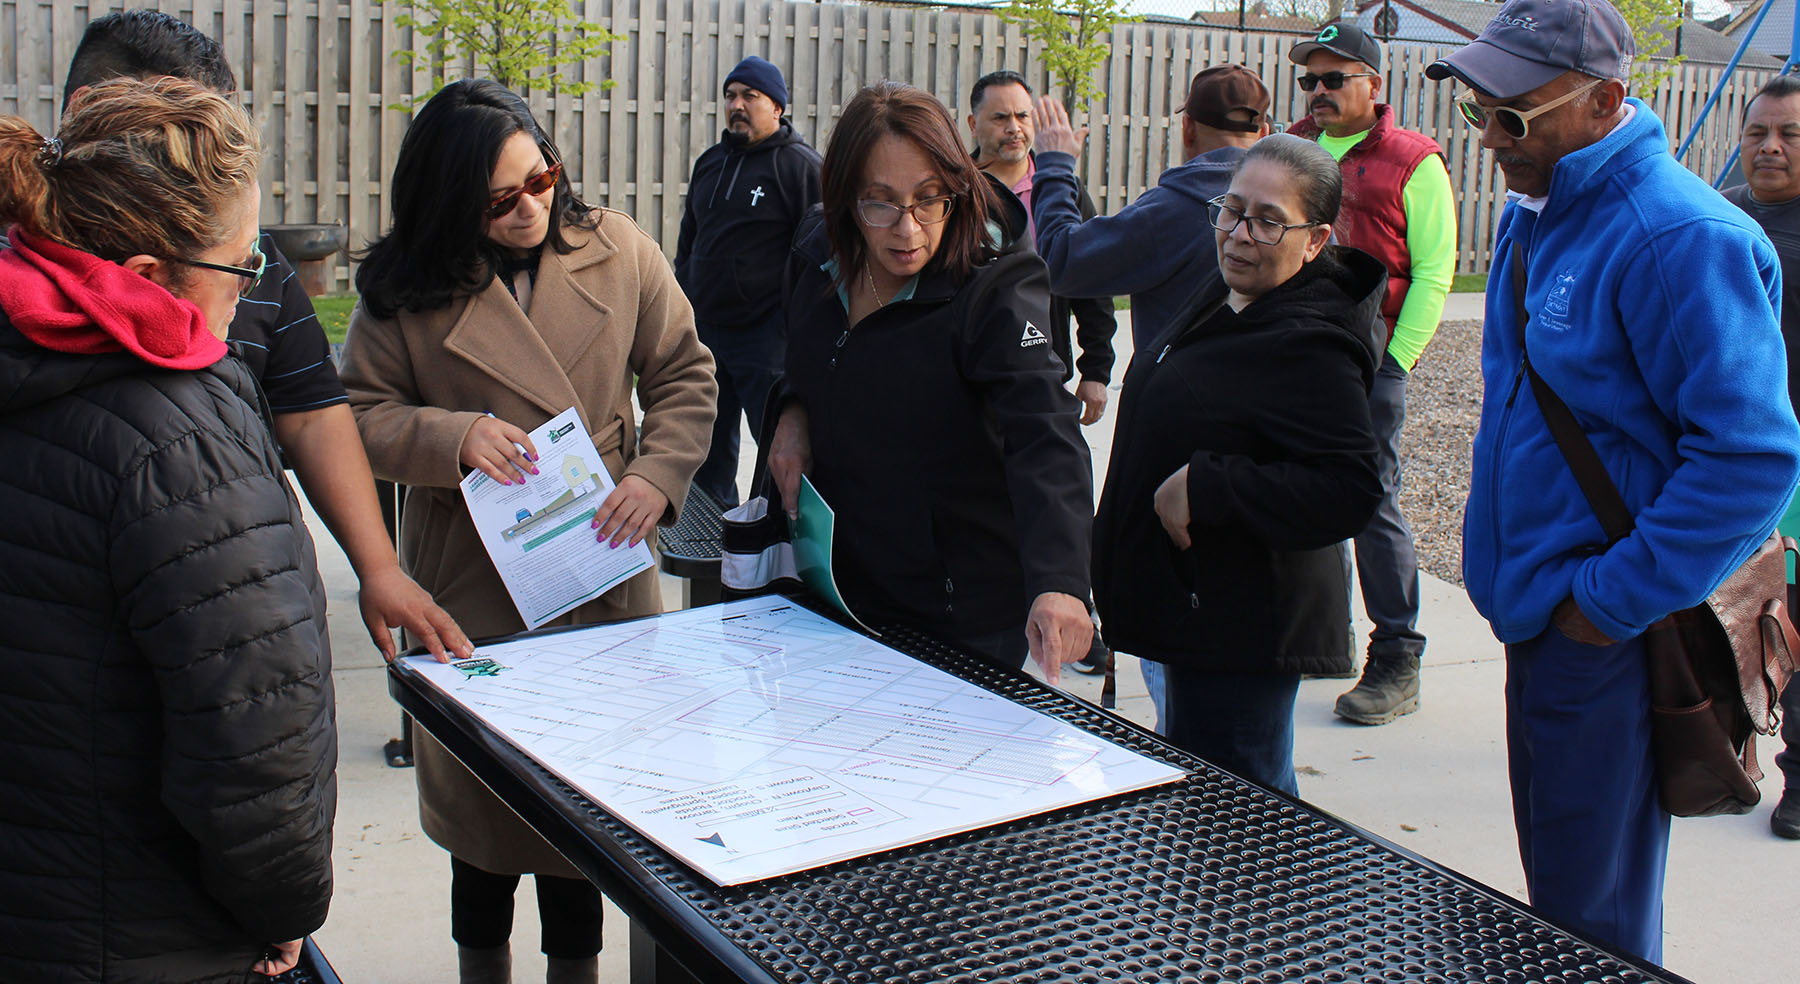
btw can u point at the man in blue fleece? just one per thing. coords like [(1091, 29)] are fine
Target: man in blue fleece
[(1650, 307), (1150, 249)]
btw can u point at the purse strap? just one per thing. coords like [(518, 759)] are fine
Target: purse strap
[(1577, 449)]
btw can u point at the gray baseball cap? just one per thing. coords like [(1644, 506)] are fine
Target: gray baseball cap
[(1531, 42)]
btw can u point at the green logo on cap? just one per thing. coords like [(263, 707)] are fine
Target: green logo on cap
[(1329, 34)]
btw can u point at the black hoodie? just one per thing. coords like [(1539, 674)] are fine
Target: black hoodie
[(1268, 408), (744, 202), (944, 439)]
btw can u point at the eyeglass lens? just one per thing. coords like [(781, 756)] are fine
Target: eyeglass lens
[(1265, 231), (1332, 80), (882, 215)]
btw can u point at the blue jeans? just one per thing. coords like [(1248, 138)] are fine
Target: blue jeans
[(749, 361), (1157, 684), (1386, 566), (1592, 837), (1241, 722)]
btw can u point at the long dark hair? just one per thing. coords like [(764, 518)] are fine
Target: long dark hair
[(434, 246), (903, 111)]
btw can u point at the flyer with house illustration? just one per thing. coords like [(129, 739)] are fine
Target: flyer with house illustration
[(539, 534)]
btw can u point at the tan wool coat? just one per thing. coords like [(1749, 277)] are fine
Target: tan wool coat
[(598, 315)]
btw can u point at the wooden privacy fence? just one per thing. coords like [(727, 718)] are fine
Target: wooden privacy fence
[(319, 75)]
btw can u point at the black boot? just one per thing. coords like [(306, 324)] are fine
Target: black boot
[(1389, 688), (1785, 821)]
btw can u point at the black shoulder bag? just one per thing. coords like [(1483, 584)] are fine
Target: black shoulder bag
[(1716, 669)]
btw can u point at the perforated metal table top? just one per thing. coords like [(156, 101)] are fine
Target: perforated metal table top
[(690, 548), (1212, 879)]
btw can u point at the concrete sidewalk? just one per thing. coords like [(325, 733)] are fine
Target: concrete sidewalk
[(1433, 782)]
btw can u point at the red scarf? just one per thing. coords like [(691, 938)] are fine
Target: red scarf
[(69, 301)]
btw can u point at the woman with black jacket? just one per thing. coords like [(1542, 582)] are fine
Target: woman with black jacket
[(1243, 455), (922, 397), (167, 720)]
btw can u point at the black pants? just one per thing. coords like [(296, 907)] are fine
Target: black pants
[(481, 911)]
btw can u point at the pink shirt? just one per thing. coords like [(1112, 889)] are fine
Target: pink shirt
[(1023, 190)]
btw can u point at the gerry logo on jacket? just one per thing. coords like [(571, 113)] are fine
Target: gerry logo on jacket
[(1555, 312), (1032, 336)]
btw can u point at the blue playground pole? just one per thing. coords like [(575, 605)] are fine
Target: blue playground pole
[(1725, 77), (1792, 59)]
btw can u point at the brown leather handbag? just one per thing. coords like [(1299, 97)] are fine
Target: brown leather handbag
[(1716, 669)]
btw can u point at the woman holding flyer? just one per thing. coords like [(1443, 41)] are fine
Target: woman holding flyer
[(496, 301)]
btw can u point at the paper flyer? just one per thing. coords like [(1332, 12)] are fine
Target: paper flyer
[(813, 532), (539, 534)]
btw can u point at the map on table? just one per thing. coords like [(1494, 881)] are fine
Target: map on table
[(756, 738)]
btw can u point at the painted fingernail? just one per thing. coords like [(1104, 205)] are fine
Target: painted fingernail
[(534, 471), (506, 481)]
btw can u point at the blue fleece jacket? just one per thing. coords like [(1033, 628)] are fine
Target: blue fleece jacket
[(1159, 249), (1652, 313)]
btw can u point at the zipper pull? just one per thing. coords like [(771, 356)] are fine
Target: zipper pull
[(949, 586), (840, 344), (1165, 351)]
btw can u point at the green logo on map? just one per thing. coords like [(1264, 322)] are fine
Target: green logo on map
[(472, 668)]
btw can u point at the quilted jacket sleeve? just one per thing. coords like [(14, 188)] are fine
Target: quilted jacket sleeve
[(218, 588)]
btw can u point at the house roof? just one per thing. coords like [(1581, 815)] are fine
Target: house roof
[(1257, 22)]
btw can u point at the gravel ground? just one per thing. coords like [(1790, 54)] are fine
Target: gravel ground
[(1443, 404)]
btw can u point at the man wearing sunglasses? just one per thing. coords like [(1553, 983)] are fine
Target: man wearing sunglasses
[(746, 197), (276, 333), (1397, 208), (1647, 304)]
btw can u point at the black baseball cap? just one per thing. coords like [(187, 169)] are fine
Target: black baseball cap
[(1531, 42), (1347, 40)]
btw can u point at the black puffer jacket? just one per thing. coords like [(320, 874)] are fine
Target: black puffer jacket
[(167, 739), (1269, 409)]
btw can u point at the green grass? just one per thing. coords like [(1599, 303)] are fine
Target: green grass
[(1468, 283), (334, 314)]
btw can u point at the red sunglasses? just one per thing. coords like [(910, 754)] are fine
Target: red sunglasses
[(537, 184)]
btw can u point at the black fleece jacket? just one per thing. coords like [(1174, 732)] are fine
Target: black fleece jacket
[(744, 202), (944, 439), (167, 739), (1268, 409), (1095, 320)]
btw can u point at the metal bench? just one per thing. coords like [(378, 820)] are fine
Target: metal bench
[(690, 549)]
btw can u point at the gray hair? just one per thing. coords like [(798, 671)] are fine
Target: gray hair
[(1320, 183)]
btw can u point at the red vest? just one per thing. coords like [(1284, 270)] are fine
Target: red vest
[(1373, 217)]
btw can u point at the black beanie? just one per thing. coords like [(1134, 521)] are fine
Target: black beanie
[(759, 74)]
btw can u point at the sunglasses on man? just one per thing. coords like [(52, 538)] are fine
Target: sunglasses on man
[(1513, 123), (535, 185), (1332, 80)]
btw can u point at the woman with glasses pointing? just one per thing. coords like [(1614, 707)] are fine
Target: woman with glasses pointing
[(922, 397), (1243, 455), (497, 300)]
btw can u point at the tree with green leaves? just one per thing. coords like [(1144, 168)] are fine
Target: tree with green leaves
[(521, 44), (1653, 24), (1075, 36)]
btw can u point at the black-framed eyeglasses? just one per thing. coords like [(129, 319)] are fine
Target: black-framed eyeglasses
[(1332, 80), (250, 275), (878, 214), (1513, 123), (1226, 219)]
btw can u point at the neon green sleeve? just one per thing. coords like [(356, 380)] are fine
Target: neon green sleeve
[(1431, 241)]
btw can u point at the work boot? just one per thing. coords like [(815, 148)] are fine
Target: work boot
[(493, 966), (1785, 821), (563, 970), (1389, 688)]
